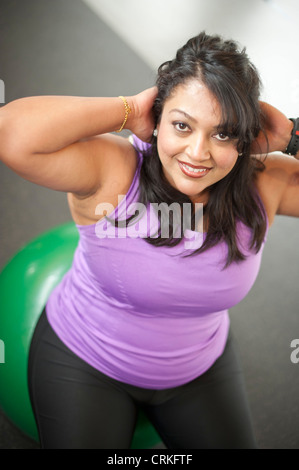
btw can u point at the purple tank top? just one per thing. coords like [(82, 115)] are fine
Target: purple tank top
[(146, 315)]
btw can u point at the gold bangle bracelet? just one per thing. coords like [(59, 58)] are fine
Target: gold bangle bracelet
[(128, 111)]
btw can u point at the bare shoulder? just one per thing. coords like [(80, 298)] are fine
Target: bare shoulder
[(118, 166), (278, 183)]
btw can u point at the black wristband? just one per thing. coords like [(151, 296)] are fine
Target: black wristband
[(293, 146)]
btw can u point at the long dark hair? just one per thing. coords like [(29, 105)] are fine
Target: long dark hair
[(230, 76)]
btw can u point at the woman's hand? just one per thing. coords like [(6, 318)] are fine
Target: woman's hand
[(278, 129), (141, 120)]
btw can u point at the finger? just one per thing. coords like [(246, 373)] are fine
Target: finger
[(152, 92)]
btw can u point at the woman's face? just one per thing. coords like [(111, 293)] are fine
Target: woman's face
[(193, 151)]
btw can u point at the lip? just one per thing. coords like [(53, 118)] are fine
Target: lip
[(191, 174), (199, 167)]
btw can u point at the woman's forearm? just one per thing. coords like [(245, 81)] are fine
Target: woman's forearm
[(45, 124)]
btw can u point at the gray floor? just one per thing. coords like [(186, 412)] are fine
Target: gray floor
[(61, 47)]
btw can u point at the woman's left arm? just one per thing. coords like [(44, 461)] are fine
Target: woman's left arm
[(280, 182)]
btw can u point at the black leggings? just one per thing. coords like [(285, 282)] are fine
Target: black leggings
[(78, 407)]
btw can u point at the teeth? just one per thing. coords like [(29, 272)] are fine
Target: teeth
[(194, 170)]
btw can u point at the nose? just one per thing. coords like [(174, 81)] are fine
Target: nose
[(198, 148)]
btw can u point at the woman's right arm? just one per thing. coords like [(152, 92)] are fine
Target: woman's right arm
[(58, 141)]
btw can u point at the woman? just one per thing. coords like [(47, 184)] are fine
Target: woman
[(141, 319)]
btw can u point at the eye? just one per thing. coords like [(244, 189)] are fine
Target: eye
[(181, 126), (222, 137)]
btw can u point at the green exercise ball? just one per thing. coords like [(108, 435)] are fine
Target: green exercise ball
[(25, 285)]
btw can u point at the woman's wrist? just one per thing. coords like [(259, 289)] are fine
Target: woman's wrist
[(129, 124), (287, 136), (292, 147), (138, 113), (128, 111), (140, 120)]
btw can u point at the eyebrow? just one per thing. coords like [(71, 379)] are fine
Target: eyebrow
[(176, 110)]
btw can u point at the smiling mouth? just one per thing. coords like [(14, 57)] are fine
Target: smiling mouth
[(193, 171)]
